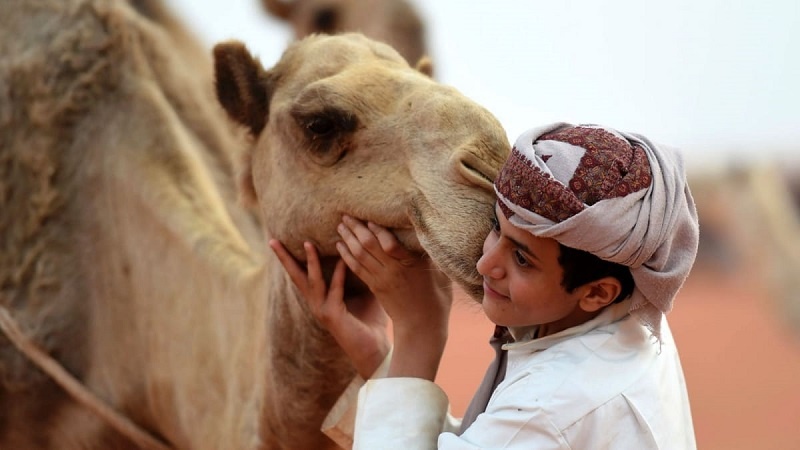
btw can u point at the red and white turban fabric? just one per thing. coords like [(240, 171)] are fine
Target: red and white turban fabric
[(616, 195)]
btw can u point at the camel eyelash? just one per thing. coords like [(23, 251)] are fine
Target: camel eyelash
[(325, 124), (327, 133)]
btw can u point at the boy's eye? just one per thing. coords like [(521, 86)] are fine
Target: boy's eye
[(520, 258)]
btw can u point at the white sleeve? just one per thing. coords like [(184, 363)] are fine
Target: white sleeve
[(411, 413), (400, 413), (339, 423)]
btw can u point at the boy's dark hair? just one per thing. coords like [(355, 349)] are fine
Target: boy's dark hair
[(581, 267)]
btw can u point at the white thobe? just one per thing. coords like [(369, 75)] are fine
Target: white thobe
[(606, 384)]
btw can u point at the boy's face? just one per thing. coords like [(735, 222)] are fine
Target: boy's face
[(522, 281)]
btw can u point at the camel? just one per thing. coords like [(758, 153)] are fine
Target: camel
[(751, 222), (395, 22), (136, 198)]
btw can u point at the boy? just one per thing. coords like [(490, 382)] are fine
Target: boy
[(595, 232)]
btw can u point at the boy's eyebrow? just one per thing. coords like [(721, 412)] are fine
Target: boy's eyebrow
[(523, 247), (516, 242)]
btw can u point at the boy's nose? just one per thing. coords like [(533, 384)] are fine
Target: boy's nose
[(488, 264)]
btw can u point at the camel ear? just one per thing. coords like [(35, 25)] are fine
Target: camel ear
[(425, 65), (242, 85)]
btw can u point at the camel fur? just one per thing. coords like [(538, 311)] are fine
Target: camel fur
[(127, 255)]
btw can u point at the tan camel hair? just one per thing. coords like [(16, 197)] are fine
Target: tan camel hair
[(750, 225), (125, 254), (395, 22)]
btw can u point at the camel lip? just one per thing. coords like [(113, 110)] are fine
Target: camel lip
[(405, 232), (408, 237)]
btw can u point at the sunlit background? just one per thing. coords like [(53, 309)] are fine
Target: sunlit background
[(710, 76), (717, 79)]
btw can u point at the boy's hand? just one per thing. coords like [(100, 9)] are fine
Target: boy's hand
[(359, 330), (416, 296)]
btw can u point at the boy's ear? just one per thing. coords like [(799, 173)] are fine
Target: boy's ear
[(600, 293)]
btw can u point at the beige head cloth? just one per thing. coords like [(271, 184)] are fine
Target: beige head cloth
[(616, 195)]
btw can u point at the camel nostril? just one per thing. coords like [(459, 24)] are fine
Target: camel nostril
[(475, 176)]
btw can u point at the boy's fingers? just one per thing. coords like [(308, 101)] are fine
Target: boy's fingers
[(362, 233), (388, 242), (310, 283), (288, 262), (335, 298), (337, 280), (356, 248), (313, 266), (349, 259)]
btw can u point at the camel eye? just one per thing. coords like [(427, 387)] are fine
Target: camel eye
[(321, 126), (327, 124), (328, 133)]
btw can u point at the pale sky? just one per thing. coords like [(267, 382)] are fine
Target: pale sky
[(718, 79)]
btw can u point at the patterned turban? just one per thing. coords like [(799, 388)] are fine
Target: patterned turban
[(616, 195)]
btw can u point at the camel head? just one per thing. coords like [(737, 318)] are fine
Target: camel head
[(395, 22), (343, 125)]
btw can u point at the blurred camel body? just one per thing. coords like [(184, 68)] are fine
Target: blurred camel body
[(395, 22), (750, 220), (127, 257)]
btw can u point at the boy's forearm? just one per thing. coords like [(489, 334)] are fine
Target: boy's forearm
[(418, 353)]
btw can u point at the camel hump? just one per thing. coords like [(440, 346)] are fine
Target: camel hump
[(56, 64), (53, 73)]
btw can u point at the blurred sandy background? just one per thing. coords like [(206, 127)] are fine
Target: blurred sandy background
[(742, 364), (718, 80)]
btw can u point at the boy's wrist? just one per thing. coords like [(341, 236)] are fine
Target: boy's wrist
[(417, 353), (368, 364)]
